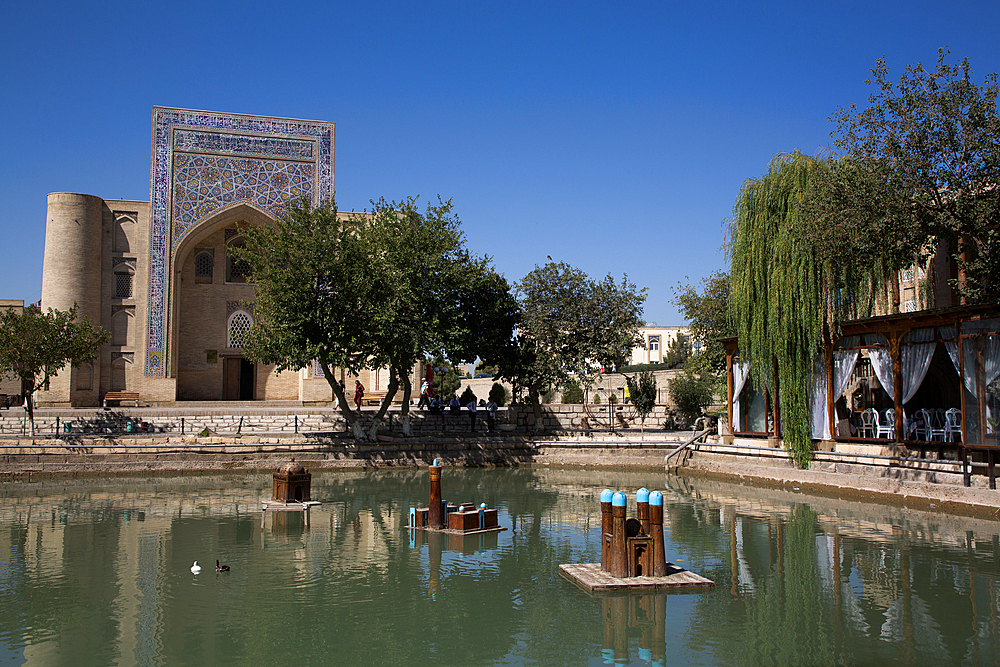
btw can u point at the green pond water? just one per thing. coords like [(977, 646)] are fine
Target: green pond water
[(98, 573)]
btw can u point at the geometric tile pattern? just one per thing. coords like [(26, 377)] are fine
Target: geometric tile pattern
[(205, 183), (204, 161)]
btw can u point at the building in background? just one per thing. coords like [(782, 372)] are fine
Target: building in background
[(158, 274)]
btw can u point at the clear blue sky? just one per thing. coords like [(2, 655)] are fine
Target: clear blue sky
[(613, 136)]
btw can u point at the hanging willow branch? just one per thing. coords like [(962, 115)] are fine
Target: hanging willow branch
[(784, 293)]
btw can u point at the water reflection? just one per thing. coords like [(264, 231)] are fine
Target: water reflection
[(97, 573)]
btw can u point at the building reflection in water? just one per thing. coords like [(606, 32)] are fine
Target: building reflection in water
[(631, 614), (439, 543)]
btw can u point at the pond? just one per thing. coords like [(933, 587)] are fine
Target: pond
[(97, 572)]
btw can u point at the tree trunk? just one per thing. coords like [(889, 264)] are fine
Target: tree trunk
[(29, 405), (353, 422), (390, 393), (404, 412)]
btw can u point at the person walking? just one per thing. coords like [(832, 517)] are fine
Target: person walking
[(359, 393), (425, 399), (491, 415), (472, 413)]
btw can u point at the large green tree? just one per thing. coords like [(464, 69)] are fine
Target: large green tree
[(786, 295), (706, 309), (569, 324), (441, 299), (922, 163), (377, 289), (34, 346), (318, 290)]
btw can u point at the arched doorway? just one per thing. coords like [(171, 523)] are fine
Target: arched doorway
[(212, 313)]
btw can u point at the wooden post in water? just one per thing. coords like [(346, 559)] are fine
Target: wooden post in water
[(619, 566), (435, 512), (606, 496), (642, 509), (656, 532)]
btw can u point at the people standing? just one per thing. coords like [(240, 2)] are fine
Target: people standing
[(491, 415), (425, 399), (472, 413), (359, 393)]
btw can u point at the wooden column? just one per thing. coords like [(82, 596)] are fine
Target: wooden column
[(729, 388), (897, 381), (435, 512), (619, 565), (606, 496), (830, 411), (656, 532)]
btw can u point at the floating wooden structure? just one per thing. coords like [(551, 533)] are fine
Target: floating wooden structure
[(632, 551), (291, 492), (444, 517)]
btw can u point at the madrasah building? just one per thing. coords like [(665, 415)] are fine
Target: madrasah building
[(158, 274)]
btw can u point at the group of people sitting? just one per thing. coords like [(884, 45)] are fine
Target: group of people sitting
[(437, 407)]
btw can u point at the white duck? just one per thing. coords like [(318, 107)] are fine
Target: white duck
[(195, 569)]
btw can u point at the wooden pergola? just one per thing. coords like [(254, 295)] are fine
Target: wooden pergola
[(894, 329)]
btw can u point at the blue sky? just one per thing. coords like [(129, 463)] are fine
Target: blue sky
[(613, 136)]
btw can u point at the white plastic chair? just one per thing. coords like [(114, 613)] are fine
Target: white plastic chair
[(869, 421), (932, 428), (953, 424), (889, 428)]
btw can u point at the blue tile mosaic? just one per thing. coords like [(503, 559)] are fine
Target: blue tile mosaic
[(203, 161)]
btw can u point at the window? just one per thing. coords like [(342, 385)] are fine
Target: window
[(239, 329), (123, 284), (654, 343), (237, 271), (203, 265)]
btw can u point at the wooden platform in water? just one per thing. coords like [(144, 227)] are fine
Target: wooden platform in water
[(591, 577), (448, 531), (278, 506)]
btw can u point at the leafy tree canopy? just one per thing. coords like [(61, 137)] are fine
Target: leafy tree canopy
[(570, 324), (374, 289), (35, 346), (922, 163), (707, 314)]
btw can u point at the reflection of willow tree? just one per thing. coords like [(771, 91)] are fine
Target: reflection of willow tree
[(787, 624)]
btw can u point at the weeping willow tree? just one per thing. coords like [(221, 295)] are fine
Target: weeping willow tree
[(786, 293)]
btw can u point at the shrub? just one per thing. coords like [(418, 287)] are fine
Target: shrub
[(642, 393), (691, 394), (572, 394), (597, 399), (498, 394), (467, 396)]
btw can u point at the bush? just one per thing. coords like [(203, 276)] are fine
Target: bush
[(642, 393), (468, 396), (572, 394), (692, 394), (597, 399), (498, 394)]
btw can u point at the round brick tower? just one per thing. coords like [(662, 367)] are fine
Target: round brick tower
[(71, 272)]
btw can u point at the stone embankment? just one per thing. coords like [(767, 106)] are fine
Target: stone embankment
[(258, 440)]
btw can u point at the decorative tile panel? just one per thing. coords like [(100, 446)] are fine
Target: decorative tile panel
[(204, 161)]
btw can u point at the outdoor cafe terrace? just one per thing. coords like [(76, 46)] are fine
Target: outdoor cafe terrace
[(926, 379)]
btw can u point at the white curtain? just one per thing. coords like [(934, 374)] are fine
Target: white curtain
[(881, 362), (843, 367), (820, 423), (991, 357), (915, 358), (741, 372)]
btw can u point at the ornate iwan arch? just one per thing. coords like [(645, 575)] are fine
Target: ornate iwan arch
[(207, 164)]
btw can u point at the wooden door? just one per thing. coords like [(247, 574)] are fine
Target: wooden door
[(231, 378)]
